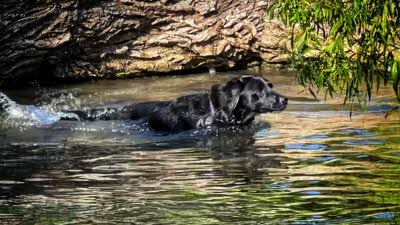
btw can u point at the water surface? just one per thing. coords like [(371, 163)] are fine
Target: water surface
[(311, 164)]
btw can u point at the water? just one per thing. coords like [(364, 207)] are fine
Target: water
[(311, 164)]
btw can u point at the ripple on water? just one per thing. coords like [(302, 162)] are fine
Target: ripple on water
[(122, 172), (266, 133), (362, 133), (10, 182), (303, 146), (312, 192), (316, 136), (325, 158), (385, 216), (364, 142)]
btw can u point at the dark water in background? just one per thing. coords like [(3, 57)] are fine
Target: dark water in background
[(311, 164)]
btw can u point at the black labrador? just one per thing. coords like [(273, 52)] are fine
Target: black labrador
[(235, 103)]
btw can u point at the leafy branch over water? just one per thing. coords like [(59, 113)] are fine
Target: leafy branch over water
[(348, 46)]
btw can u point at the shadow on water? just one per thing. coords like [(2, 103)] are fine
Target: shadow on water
[(311, 164)]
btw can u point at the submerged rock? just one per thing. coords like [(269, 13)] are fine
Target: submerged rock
[(75, 39)]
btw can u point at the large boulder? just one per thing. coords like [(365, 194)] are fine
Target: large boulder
[(120, 38)]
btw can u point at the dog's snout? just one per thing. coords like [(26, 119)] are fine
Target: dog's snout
[(283, 100)]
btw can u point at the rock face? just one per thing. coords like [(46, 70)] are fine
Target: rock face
[(119, 38)]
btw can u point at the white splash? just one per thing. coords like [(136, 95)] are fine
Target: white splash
[(34, 115)]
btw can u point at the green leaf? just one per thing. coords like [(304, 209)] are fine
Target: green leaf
[(392, 7), (355, 55), (395, 77), (284, 17), (332, 47), (357, 5), (302, 42), (336, 27), (384, 20), (340, 45), (272, 11)]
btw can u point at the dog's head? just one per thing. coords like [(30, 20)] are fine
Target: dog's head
[(246, 96)]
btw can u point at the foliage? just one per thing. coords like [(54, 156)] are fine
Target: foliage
[(347, 46)]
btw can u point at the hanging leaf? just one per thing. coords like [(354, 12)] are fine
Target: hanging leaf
[(392, 7), (284, 17), (340, 45), (384, 20), (396, 80), (336, 27), (355, 55), (302, 42)]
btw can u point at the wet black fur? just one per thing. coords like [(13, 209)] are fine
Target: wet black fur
[(235, 103)]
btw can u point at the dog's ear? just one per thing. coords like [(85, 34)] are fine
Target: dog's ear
[(217, 97), (226, 97)]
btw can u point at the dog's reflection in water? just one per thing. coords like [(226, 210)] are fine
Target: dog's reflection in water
[(233, 149)]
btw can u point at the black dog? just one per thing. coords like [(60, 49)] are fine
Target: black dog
[(235, 103)]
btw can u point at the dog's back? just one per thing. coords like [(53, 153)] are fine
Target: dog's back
[(184, 113)]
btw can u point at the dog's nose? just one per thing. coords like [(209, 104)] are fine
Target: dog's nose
[(283, 100)]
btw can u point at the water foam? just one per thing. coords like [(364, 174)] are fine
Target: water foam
[(29, 114)]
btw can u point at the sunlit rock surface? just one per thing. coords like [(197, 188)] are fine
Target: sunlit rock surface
[(69, 38)]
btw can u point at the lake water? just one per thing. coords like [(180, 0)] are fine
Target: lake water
[(311, 164)]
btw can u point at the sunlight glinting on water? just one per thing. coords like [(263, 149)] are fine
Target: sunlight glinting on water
[(311, 164)]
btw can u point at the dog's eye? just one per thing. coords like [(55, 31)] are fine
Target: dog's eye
[(270, 85), (254, 97)]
